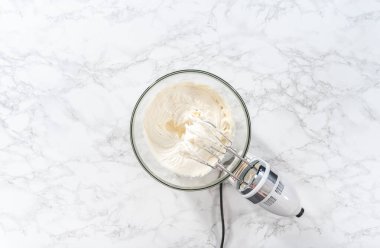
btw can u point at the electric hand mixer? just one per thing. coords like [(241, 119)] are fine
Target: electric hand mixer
[(252, 177)]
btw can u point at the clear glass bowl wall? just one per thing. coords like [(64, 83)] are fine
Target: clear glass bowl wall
[(147, 159)]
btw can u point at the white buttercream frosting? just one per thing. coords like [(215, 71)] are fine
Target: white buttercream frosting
[(171, 130)]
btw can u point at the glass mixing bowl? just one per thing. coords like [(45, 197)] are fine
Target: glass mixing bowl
[(240, 139)]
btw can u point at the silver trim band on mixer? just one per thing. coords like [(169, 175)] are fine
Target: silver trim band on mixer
[(261, 177), (265, 189)]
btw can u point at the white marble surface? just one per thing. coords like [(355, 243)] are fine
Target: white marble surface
[(71, 71)]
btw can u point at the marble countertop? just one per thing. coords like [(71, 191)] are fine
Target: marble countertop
[(71, 71)]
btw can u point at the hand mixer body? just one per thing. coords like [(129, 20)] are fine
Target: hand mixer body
[(253, 178), (265, 188)]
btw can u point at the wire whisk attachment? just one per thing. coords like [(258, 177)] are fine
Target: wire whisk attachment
[(207, 145)]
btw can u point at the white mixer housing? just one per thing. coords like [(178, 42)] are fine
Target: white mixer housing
[(267, 189)]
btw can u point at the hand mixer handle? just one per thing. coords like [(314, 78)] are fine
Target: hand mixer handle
[(267, 189)]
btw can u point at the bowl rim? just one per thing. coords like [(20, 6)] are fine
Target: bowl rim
[(141, 161)]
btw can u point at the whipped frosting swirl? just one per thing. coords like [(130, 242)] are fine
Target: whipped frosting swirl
[(170, 128)]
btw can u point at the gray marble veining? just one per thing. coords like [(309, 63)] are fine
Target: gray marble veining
[(71, 71)]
